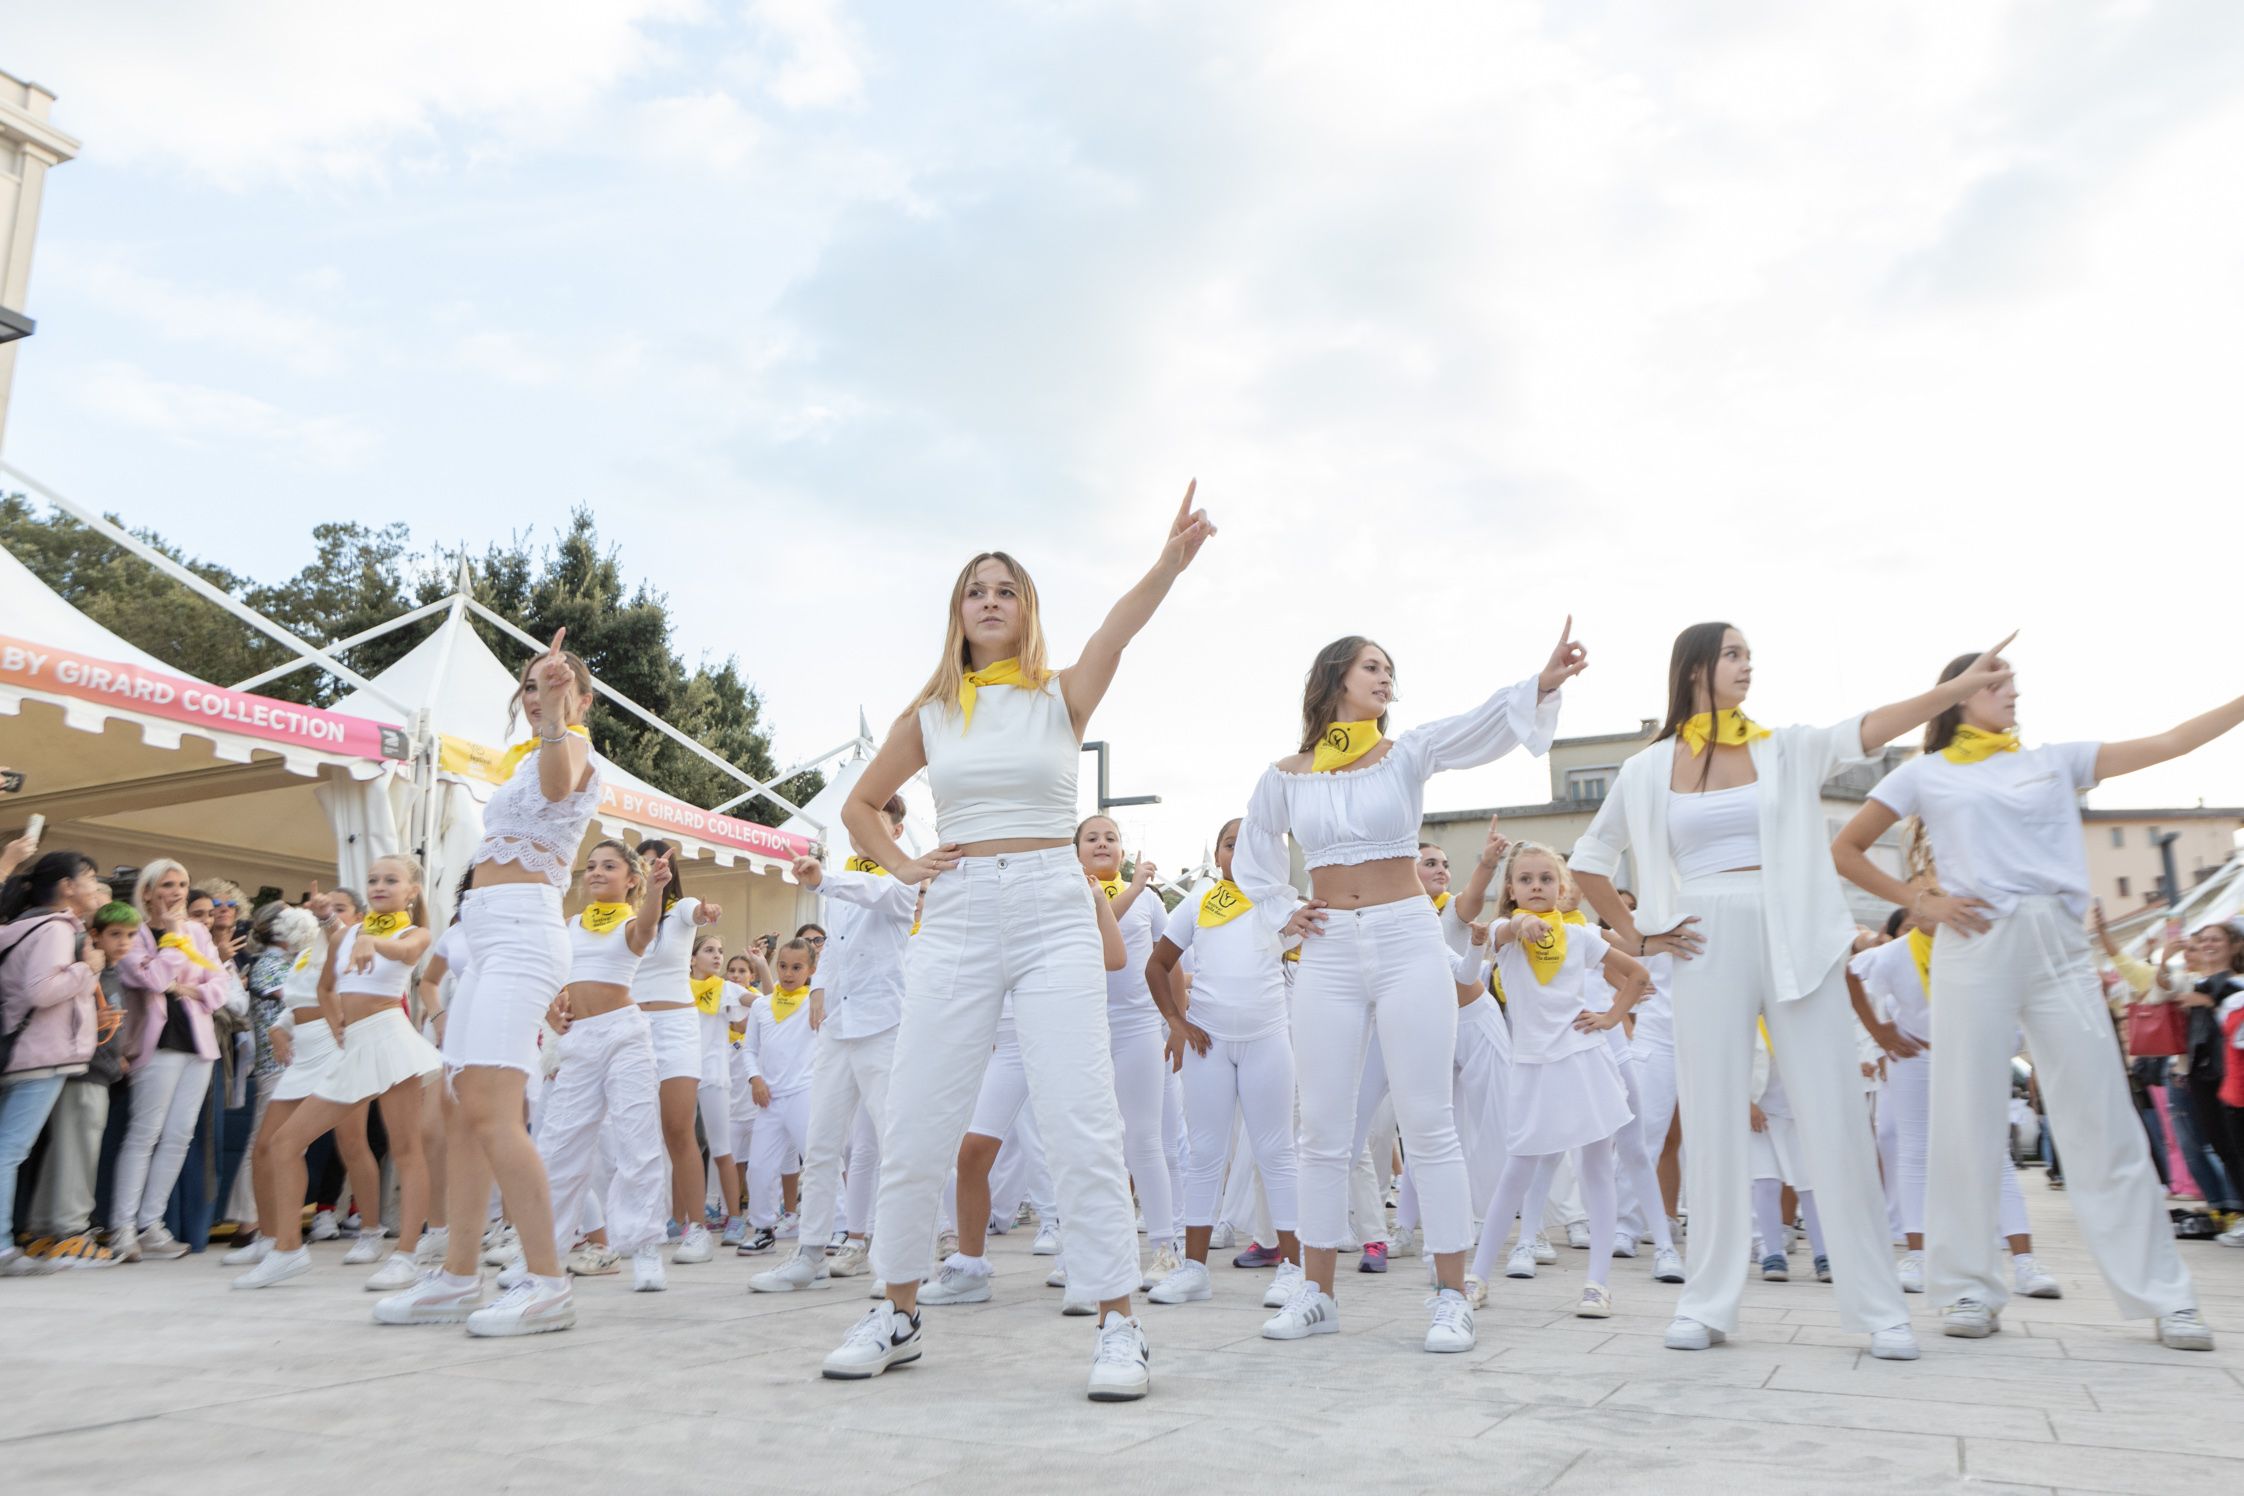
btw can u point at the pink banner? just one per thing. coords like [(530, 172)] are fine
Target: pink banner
[(40, 667), (660, 813)]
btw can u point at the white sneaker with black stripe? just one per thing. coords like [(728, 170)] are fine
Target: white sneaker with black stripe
[(1310, 1311), (1120, 1370), (885, 1337)]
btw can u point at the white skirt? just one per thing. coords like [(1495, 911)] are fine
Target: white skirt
[(1564, 1103), (677, 1042), (378, 1053), (1777, 1154), (311, 1059)]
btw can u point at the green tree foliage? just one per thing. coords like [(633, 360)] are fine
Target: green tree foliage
[(361, 577)]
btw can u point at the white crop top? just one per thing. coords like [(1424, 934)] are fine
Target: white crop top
[(520, 825), (387, 979), (664, 975), (1715, 832), (601, 958), (1012, 774)]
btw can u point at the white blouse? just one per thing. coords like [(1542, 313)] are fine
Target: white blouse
[(1011, 774), (522, 826)]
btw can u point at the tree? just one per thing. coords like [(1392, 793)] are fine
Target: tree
[(362, 577)]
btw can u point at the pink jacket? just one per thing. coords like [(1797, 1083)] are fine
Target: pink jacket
[(149, 970), (43, 976)]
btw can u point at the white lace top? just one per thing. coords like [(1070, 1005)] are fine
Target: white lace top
[(522, 826)]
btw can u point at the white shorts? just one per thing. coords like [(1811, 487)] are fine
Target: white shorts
[(311, 1060), (378, 1053), (715, 1098), (677, 1042), (518, 962)]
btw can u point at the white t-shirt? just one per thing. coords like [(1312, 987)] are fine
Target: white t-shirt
[(1543, 1013), (1238, 979), (1889, 974), (780, 1050), (1655, 1010), (2005, 827), (1129, 1003), (664, 975)]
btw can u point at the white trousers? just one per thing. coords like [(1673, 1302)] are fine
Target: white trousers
[(1020, 1173), (782, 1132), (1256, 1078), (863, 1179), (846, 1075), (167, 1096), (1908, 1100), (1022, 924), (1371, 1153), (2032, 970), (1718, 997), (1140, 1074), (1245, 1206), (1176, 1136), (1655, 1088), (607, 1075), (1483, 1078), (1635, 1163)]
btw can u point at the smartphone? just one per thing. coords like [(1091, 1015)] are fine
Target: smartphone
[(34, 828), (11, 781)]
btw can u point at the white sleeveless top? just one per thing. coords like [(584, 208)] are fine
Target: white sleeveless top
[(1012, 775), (1714, 831), (387, 979), (600, 958), (521, 825), (664, 975)]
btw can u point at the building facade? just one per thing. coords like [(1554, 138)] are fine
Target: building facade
[(2124, 863), (29, 145)]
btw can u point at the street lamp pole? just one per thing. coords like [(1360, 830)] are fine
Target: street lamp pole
[(1106, 801), (2168, 878)]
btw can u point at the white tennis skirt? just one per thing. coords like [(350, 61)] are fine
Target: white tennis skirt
[(311, 1058), (379, 1052), (1564, 1103), (1777, 1153)]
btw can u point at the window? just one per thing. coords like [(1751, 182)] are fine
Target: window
[(1589, 783), (2153, 834), (2119, 836), (2123, 888)]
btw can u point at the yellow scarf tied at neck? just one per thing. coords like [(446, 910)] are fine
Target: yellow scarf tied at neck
[(1222, 904), (857, 864), (1547, 955), (785, 1000), (1441, 902), (1920, 947), (603, 919), (707, 993), (186, 947), (1113, 887), (1344, 743), (303, 959), (513, 757), (1970, 745), (383, 925), (1735, 731), (1003, 673)]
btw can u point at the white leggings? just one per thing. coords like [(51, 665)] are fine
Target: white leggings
[(1511, 1193), (1021, 1173), (776, 1149), (1140, 1091), (167, 1096), (1176, 1137), (607, 1075), (1256, 1078), (1768, 1216)]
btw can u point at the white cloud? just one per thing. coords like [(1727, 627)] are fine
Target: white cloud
[(230, 317), (213, 420), (821, 69)]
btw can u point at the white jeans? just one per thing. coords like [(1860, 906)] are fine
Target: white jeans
[(1907, 1101), (1718, 996), (1655, 1087), (607, 1075), (167, 1096), (1256, 1078), (1140, 1075), (518, 959), (782, 1133), (1382, 968), (2032, 970), (1021, 923), (845, 1075), (855, 1215)]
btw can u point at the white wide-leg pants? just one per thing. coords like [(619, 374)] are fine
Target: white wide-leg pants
[(845, 1075), (777, 1148)]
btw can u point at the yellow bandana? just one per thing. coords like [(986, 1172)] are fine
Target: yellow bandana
[(1736, 730), (513, 757), (185, 947), (1113, 887), (1003, 673), (785, 1000), (706, 992), (1970, 745), (1766, 1042), (380, 925), (858, 864), (600, 919), (735, 1032), (914, 930), (1344, 743), (1920, 946), (1547, 955), (1441, 901), (303, 960), (1222, 904)]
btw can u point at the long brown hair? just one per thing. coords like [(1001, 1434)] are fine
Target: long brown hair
[(1689, 663), (577, 668), (675, 889), (950, 674), (1327, 682), (1941, 730)]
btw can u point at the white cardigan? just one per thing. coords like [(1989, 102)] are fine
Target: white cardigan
[(1809, 928)]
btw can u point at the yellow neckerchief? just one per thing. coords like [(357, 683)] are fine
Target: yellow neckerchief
[(1496, 987), (1441, 902), (706, 992), (1547, 955), (857, 864), (1003, 673), (1737, 729), (599, 919), (180, 943), (1113, 887), (510, 759), (381, 926), (1766, 1042), (785, 1000), (303, 959), (1971, 744), (1920, 947), (1343, 743), (1222, 904), (914, 930)]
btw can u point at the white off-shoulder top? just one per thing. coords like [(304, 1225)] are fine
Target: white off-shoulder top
[(520, 825)]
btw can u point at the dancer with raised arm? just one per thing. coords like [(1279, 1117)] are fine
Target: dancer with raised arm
[(1008, 913), (2004, 823), (1353, 799), (1735, 877)]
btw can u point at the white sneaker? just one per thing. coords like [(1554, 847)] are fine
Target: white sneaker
[(500, 1245), (250, 1255), (1188, 1284), (1689, 1335), (1896, 1344), (1667, 1265), (529, 1308), (1911, 1271), (1476, 1292), (2030, 1281), (945, 1244), (1521, 1262), (323, 1227), (1452, 1327), (434, 1243), (1056, 1278), (1597, 1302), (1047, 1242), (1119, 1365), (885, 1337), (1222, 1238), (1545, 1253), (17, 1263), (850, 1260), (1310, 1311), (695, 1245), (1403, 1244), (1079, 1305), (593, 1260), (1624, 1244), (430, 1301), (961, 1280), (124, 1244), (157, 1241), (789, 1225), (397, 1271), (1578, 1236), (278, 1267), (1165, 1262), (2233, 1236), (1282, 1287), (647, 1275), (1141, 1223), (2184, 1330), (368, 1248), (515, 1273), (803, 1270)]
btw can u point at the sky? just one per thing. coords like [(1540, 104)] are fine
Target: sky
[(1878, 329)]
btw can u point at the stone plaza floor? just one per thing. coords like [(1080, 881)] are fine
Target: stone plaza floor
[(157, 1378)]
